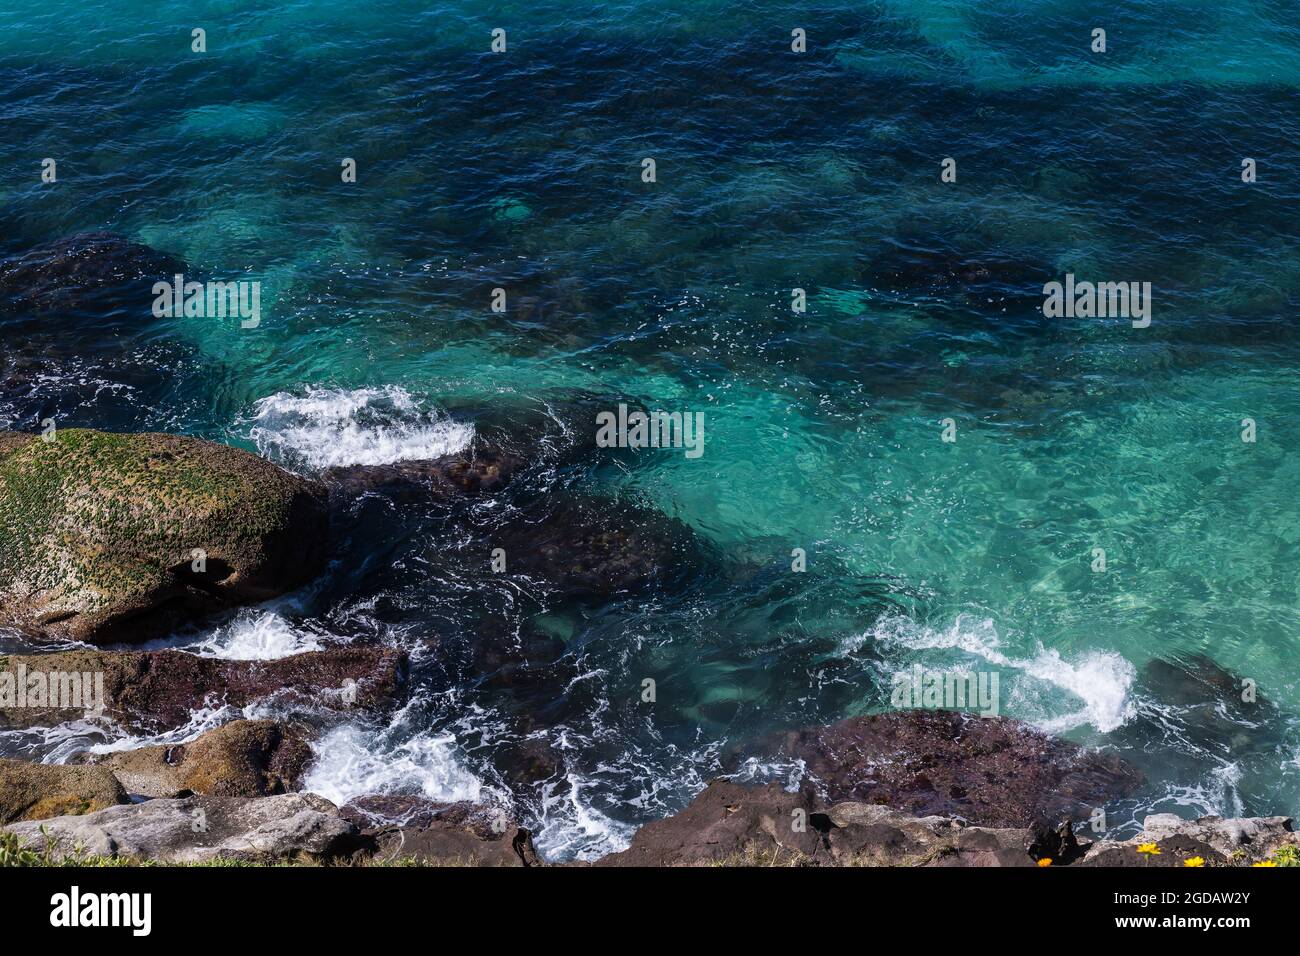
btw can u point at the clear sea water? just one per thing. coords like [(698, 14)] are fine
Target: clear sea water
[(775, 170)]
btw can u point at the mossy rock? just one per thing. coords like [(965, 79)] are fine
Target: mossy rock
[(99, 532), (34, 791), (12, 441)]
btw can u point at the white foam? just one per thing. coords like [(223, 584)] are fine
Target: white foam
[(1100, 679), (200, 722), (1216, 794), (352, 762), (571, 828), (327, 427), (257, 636)]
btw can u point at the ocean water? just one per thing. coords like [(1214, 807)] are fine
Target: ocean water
[(775, 171)]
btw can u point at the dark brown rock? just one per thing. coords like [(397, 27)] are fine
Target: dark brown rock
[(991, 771), (412, 829), (729, 823), (158, 689), (483, 472)]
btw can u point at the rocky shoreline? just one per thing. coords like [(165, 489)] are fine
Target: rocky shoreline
[(111, 540), (728, 824), (906, 788), (909, 788)]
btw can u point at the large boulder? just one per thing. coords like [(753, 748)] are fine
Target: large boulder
[(412, 829), (991, 771), (120, 537), (197, 829), (244, 758), (153, 690), (68, 273), (36, 791)]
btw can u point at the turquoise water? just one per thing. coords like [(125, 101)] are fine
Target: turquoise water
[(775, 171)]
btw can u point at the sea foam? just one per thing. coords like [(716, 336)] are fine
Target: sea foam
[(353, 761), (326, 427), (1101, 680)]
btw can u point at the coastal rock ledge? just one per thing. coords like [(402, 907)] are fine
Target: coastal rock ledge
[(728, 824), (733, 825)]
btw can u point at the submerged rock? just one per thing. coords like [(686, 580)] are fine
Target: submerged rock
[(588, 549), (414, 829), (120, 537), (196, 829), (36, 791), (484, 472), (245, 758), (67, 273), (1218, 711), (156, 690), (992, 771), (941, 271)]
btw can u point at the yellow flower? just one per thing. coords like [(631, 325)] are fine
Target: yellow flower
[(1045, 861), (1150, 848), (1193, 861), (1264, 863)]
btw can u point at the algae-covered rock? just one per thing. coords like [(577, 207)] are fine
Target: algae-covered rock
[(36, 791), (244, 758), (12, 441), (119, 537)]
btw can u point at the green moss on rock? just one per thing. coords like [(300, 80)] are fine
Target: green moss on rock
[(245, 758), (98, 532), (34, 791)]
